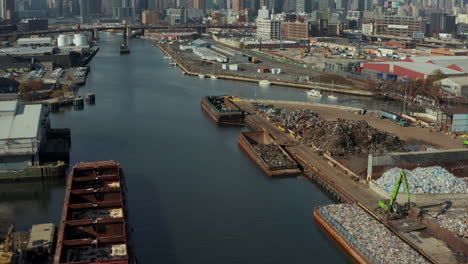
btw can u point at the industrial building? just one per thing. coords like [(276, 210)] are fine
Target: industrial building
[(22, 134), (268, 29), (457, 86), (34, 42), (296, 30), (394, 25), (210, 55), (410, 70)]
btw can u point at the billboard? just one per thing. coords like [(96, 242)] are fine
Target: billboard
[(398, 26)]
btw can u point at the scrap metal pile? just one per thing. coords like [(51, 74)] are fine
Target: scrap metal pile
[(424, 180), (454, 219), (273, 156), (385, 246), (339, 137), (218, 102)]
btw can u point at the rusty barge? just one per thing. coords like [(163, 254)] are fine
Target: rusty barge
[(278, 163), (94, 227), (222, 110)]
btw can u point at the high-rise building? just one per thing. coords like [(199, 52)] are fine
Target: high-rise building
[(449, 25), (85, 8), (149, 17), (362, 5), (263, 13), (7, 9), (275, 6), (106, 7), (325, 4), (237, 5), (122, 9), (268, 29), (441, 22), (341, 4), (303, 6), (199, 4)]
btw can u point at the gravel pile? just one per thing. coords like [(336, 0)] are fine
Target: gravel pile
[(218, 102), (340, 137), (424, 180), (273, 156), (454, 219), (373, 236)]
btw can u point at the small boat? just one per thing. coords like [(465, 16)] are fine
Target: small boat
[(201, 76), (124, 49), (172, 63), (332, 96), (166, 58), (314, 93), (213, 77), (264, 83)]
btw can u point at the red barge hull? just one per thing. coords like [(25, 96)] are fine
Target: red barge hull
[(94, 227)]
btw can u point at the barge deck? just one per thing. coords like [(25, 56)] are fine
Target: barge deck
[(222, 110), (279, 165), (94, 226)]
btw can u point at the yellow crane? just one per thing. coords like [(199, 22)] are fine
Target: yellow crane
[(6, 255)]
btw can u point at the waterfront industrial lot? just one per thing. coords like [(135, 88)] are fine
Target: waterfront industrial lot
[(341, 185)]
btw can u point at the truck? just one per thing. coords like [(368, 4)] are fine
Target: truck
[(398, 119)]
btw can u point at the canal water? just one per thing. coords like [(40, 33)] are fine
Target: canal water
[(193, 196)]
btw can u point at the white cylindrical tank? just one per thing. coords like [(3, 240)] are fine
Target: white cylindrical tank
[(80, 40), (63, 40)]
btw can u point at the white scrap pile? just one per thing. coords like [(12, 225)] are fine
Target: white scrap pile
[(372, 235), (455, 220), (424, 180)]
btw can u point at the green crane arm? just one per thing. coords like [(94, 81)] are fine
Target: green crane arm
[(391, 203)]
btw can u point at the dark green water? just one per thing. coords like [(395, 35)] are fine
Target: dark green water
[(193, 196)]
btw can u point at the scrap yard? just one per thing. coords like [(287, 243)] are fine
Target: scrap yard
[(356, 156)]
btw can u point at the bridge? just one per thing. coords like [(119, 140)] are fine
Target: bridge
[(95, 29)]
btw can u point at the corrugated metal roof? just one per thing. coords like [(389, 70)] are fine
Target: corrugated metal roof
[(437, 58), (459, 80), (27, 50), (24, 123), (8, 106), (423, 67), (426, 68), (45, 40)]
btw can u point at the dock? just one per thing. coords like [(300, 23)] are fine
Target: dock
[(347, 184)]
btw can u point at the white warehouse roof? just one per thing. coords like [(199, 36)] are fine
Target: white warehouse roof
[(19, 121), (35, 41)]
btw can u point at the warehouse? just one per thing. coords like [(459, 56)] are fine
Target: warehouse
[(457, 86), (411, 70), (22, 134), (47, 41)]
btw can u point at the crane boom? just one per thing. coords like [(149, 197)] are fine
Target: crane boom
[(401, 179)]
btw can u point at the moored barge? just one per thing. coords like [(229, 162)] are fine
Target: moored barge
[(332, 228), (269, 156), (222, 110), (94, 226)]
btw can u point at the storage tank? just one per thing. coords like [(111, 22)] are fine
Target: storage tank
[(63, 40), (80, 40)]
